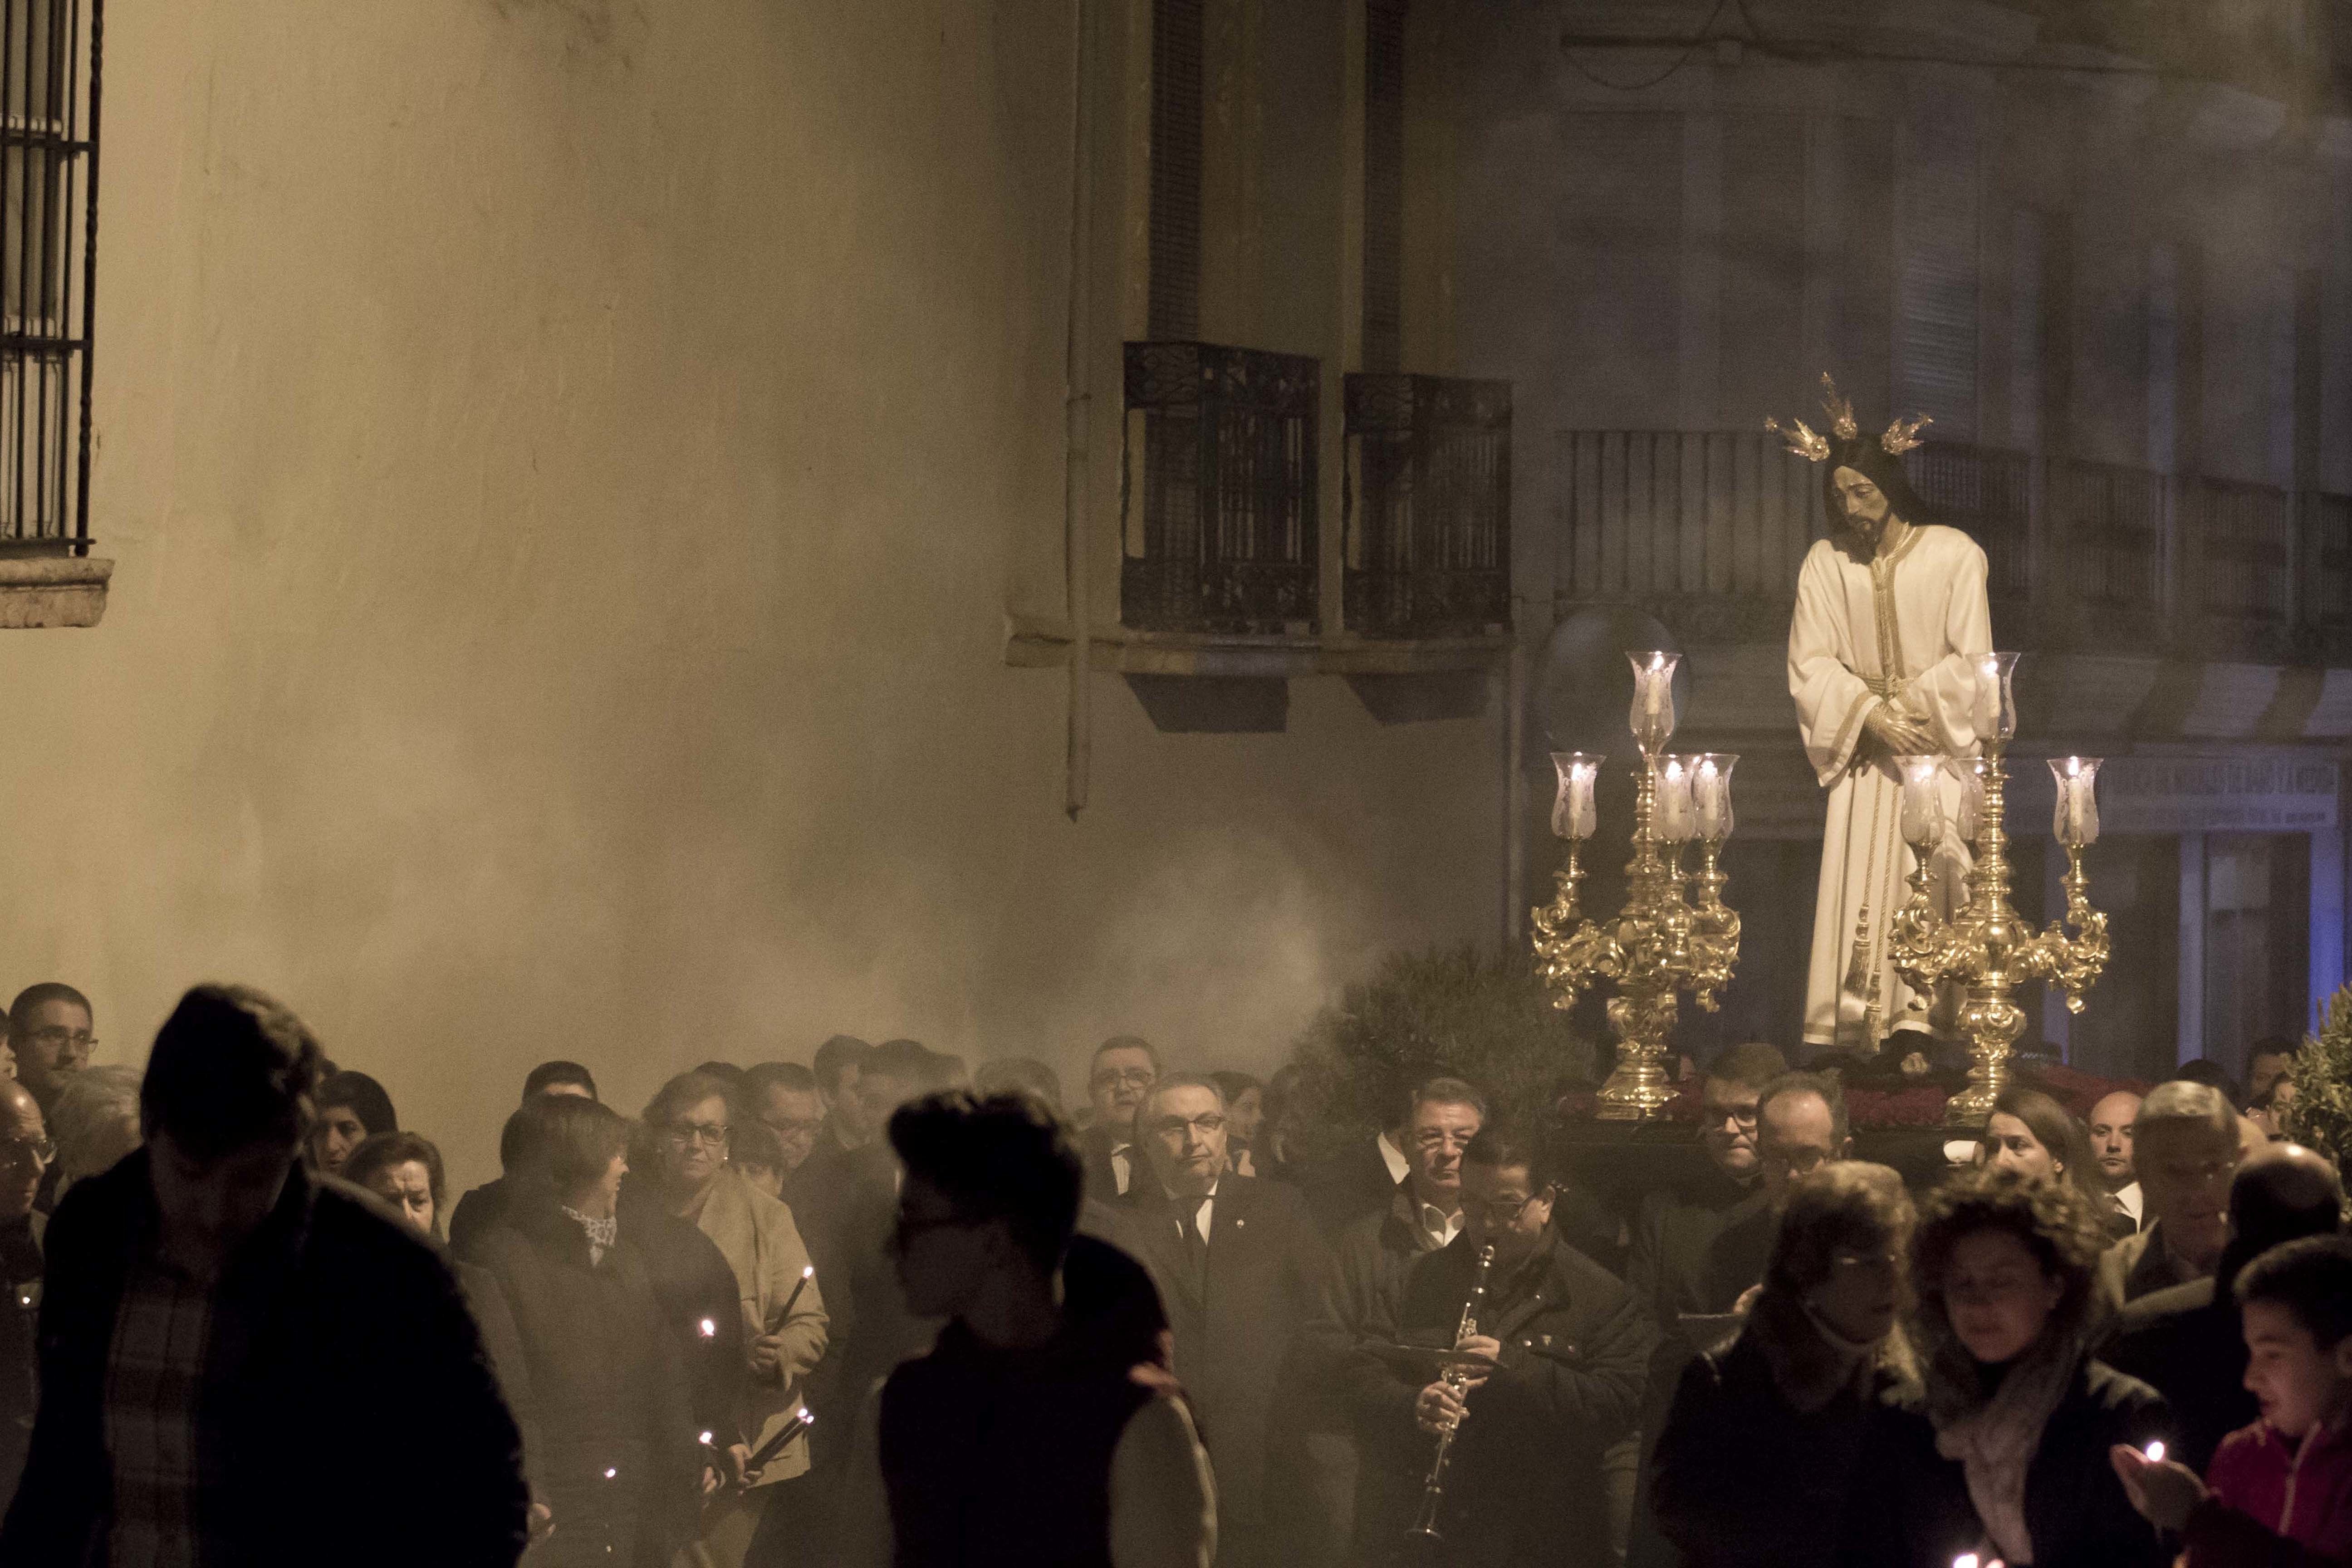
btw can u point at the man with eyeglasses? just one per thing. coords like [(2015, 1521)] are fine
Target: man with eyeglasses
[(25, 1154), (1372, 1252), (1555, 1379), (1675, 1227), (1800, 1126), (1125, 1067), (1042, 1427), (2184, 1147), (1239, 1265), (1672, 1270), (52, 1033)]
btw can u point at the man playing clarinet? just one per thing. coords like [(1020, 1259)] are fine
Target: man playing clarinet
[(1549, 1381)]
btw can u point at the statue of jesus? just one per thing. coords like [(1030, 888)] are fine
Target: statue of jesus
[(1883, 647)]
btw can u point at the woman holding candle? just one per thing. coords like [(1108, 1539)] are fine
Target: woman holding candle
[(2005, 1453), (692, 1123), (1766, 1428)]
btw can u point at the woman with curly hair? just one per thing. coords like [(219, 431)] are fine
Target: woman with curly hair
[(1768, 1428), (2004, 1454)]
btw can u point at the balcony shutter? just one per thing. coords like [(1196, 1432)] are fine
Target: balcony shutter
[(1936, 284)]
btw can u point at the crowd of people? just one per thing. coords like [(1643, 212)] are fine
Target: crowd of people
[(887, 1309)]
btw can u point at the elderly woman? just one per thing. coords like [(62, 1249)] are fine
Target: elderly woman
[(2005, 1452), (690, 1126), (615, 1456), (2034, 1135), (93, 1122), (1768, 1428)]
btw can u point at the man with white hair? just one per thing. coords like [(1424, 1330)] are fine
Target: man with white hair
[(1239, 1265), (2185, 1146)]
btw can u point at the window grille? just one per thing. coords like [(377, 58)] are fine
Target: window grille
[(1428, 507), (49, 249), (1219, 490)]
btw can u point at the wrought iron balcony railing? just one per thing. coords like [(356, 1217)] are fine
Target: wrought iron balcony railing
[(1427, 511), (1708, 528), (1218, 508), (48, 239)]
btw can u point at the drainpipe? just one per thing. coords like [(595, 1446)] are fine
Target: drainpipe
[(1076, 412)]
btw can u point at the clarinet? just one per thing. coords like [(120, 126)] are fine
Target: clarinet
[(1432, 1490)]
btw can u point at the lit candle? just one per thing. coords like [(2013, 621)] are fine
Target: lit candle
[(1677, 820), (2075, 816), (1653, 717), (1971, 799), (1571, 808), (2156, 1450), (1711, 794), (1923, 804)]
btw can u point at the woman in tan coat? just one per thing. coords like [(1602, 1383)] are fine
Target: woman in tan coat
[(688, 1123)]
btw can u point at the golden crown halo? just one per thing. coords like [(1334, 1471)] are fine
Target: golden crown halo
[(1806, 442)]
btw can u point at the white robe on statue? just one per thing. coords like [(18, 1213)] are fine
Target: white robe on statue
[(1905, 629)]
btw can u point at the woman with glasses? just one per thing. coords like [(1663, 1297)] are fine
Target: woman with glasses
[(691, 1125), (2004, 1453), (615, 1457), (1754, 1464)]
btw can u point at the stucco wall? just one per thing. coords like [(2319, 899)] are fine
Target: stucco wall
[(565, 462)]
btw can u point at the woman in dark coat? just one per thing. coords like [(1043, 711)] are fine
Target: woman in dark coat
[(1768, 1428), (2005, 1452), (617, 1460)]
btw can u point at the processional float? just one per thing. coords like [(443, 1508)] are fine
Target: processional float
[(1675, 932)]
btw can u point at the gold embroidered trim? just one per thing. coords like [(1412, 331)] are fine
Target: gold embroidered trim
[(1862, 704)]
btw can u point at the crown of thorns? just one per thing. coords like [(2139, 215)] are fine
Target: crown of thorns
[(1811, 445)]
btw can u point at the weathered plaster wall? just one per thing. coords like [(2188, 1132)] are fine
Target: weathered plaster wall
[(565, 461)]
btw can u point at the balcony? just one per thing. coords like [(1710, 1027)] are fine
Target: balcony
[(1218, 491), (1708, 529), (1427, 514)]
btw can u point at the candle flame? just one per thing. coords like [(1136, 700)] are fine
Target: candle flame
[(2156, 1450)]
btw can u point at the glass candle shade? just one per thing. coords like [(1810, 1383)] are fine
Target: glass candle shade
[(1711, 793), (1571, 809), (1995, 705), (1673, 818), (1923, 801), (1972, 785), (2074, 820), (1653, 717)]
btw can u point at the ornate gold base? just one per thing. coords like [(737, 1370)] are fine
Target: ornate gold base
[(1636, 1091)]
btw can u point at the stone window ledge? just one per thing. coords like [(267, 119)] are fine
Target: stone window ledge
[(52, 591), (1039, 644)]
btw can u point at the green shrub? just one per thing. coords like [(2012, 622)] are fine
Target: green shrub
[(1455, 1012), (2319, 1114)]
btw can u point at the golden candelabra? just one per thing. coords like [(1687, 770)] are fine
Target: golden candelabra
[(1985, 946), (1659, 942)]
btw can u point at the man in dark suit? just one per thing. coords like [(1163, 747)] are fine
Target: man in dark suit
[(1123, 1071), (2185, 1340), (1238, 1262), (1361, 1179)]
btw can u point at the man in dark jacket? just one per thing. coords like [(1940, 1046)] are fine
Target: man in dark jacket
[(204, 1294), (1670, 1270), (1568, 1346), (1117, 1080), (1370, 1254), (1042, 1428), (1238, 1263), (2185, 1341)]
